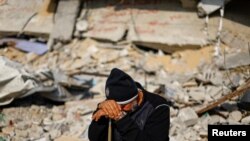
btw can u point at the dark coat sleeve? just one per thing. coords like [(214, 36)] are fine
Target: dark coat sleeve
[(98, 131), (156, 127)]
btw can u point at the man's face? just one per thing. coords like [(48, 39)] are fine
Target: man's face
[(130, 107)]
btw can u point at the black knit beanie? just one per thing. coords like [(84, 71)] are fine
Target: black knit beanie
[(120, 87)]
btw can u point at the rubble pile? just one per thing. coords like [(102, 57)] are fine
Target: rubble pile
[(66, 49), (41, 123), (189, 84)]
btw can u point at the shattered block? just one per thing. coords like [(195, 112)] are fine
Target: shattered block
[(188, 116)]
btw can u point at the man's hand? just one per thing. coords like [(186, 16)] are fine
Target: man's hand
[(98, 115), (101, 113), (111, 108), (108, 108)]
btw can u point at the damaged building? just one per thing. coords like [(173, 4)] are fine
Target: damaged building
[(55, 56)]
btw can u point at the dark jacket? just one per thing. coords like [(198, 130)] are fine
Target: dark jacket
[(150, 122)]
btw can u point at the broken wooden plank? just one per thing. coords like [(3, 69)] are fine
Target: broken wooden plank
[(88, 73), (238, 92)]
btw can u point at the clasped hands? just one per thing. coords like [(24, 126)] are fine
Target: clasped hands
[(109, 109)]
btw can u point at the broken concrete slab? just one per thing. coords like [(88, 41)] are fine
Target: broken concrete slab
[(20, 16), (112, 32), (188, 35), (206, 7), (65, 19), (234, 40), (145, 25), (188, 116), (235, 60)]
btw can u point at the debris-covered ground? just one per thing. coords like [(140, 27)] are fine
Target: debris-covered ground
[(190, 88), (49, 86)]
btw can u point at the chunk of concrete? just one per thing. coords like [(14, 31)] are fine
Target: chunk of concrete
[(214, 92), (206, 7), (188, 116), (246, 120), (65, 19), (113, 32), (234, 40), (216, 119), (235, 60), (24, 16), (82, 25), (197, 93), (235, 116)]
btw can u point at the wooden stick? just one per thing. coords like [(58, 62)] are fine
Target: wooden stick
[(110, 131), (224, 98)]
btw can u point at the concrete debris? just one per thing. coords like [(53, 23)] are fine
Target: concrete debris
[(79, 69), (151, 64), (201, 89), (236, 60), (175, 93), (214, 92), (65, 19), (110, 24), (197, 93), (15, 81), (82, 25), (34, 19), (73, 124), (112, 32), (84, 19), (235, 116), (216, 119), (188, 116), (210, 74), (246, 120), (235, 41), (206, 7), (26, 83), (235, 93)]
